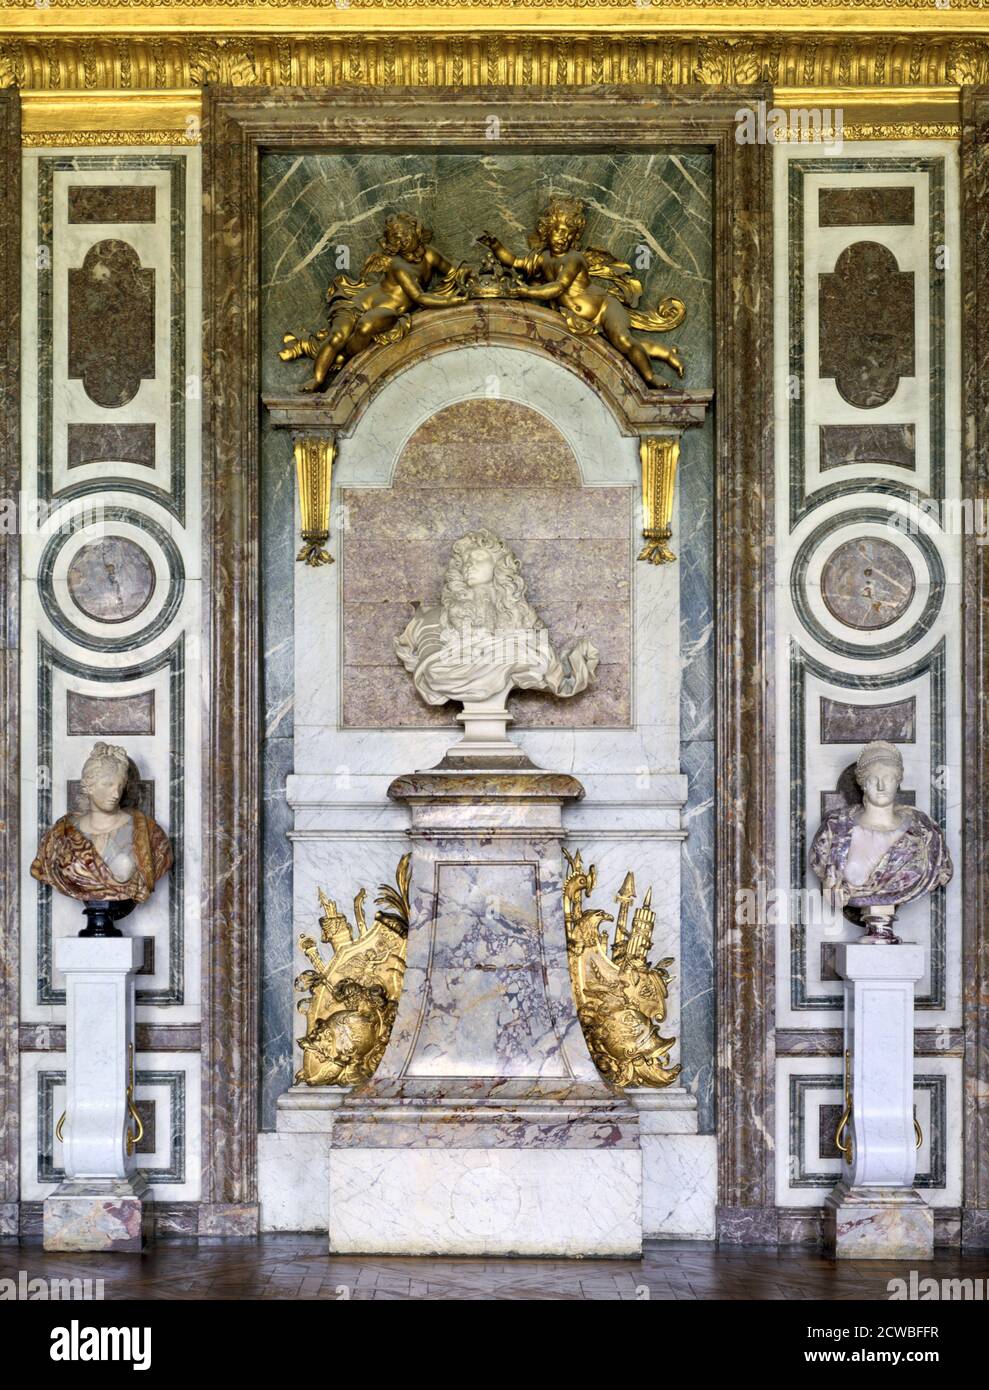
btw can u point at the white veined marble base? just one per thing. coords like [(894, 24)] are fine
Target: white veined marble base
[(877, 1223), (101, 1205), (679, 1166), (567, 1202)]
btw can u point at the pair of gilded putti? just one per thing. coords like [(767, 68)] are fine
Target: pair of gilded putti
[(592, 290)]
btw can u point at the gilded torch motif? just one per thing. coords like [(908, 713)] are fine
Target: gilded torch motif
[(620, 996), (352, 999)]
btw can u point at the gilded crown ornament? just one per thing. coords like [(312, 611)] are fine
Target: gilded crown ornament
[(352, 998), (620, 997)]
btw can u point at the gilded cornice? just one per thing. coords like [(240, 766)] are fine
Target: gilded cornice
[(160, 62), (143, 63)]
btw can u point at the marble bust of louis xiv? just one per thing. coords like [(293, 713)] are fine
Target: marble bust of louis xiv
[(104, 851)]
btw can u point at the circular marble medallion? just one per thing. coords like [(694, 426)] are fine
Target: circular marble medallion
[(111, 580), (867, 583)]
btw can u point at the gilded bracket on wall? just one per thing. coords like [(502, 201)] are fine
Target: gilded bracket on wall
[(352, 999), (620, 996), (314, 457), (659, 455)]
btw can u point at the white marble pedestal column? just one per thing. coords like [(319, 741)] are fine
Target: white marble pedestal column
[(875, 1213), (487, 1129), (101, 1205)]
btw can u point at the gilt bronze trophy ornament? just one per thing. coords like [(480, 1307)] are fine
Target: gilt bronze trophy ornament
[(352, 999), (620, 997), (104, 855), (873, 858)]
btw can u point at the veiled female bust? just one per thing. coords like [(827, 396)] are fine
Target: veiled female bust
[(880, 855), (104, 852), (484, 639)]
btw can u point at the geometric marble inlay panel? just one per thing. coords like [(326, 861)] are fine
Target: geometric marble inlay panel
[(111, 203), (865, 207), (867, 324), (882, 444), (111, 321), (844, 723), (110, 444), (87, 715), (867, 583)]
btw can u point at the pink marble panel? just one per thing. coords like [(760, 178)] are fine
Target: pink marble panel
[(498, 465)]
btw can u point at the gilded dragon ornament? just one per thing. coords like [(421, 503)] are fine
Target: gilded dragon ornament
[(620, 996), (352, 999)]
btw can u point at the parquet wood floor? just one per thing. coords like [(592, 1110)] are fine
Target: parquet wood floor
[(298, 1267)]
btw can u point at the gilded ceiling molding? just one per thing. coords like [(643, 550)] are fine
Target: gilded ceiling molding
[(65, 139), (165, 61)]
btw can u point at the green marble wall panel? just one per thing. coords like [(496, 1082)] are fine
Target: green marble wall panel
[(322, 214)]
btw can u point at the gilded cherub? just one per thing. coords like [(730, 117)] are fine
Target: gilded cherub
[(377, 307), (593, 291)]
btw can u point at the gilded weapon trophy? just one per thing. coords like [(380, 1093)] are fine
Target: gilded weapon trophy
[(620, 997), (353, 998)]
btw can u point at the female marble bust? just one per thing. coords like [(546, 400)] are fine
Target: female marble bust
[(104, 852), (879, 855), (484, 639)]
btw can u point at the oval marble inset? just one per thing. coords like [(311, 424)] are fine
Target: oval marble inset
[(867, 583), (111, 580)]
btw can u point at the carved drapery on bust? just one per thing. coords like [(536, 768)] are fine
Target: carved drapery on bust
[(880, 855), (484, 639), (104, 852)]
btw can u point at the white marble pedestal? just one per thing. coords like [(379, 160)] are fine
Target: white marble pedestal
[(875, 1213), (101, 1205), (487, 1129)]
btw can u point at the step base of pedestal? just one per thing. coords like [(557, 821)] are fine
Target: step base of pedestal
[(112, 1216), (878, 1223), (486, 1201)]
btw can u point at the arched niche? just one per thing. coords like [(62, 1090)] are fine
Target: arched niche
[(585, 359)]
